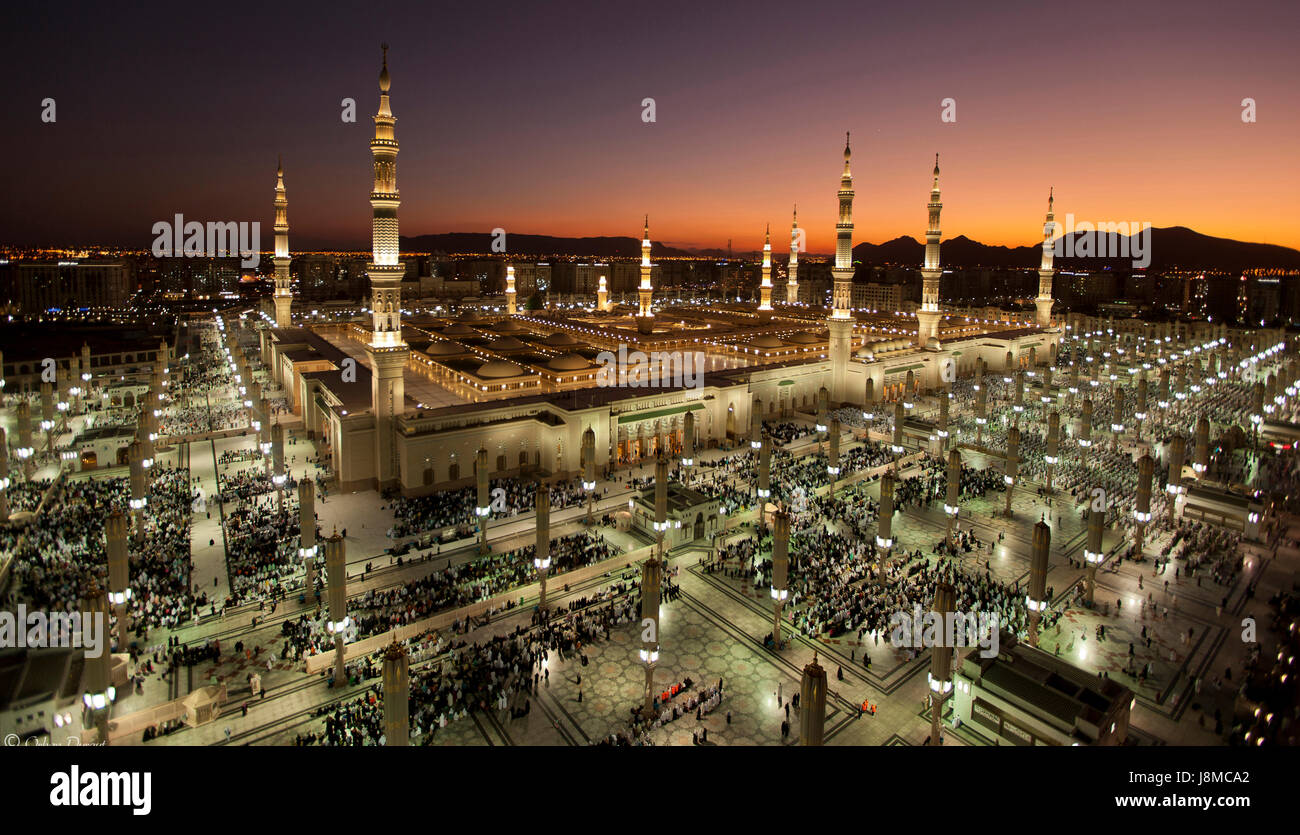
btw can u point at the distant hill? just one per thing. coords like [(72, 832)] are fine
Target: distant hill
[(1173, 247), (539, 245)]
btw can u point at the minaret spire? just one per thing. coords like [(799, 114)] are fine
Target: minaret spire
[(792, 286), (1043, 302), (283, 298), (765, 287), (840, 323), (388, 353), (843, 269), (927, 317), (645, 314)]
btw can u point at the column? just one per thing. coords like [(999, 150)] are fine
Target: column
[(1142, 513), (1093, 553), (1177, 452), (940, 678), (307, 532), (336, 575), (833, 456), (952, 507), (397, 696), (119, 576), (780, 570), (1053, 445), (812, 704), (650, 578), (1012, 466), (589, 469), (885, 522), (1037, 597), (483, 506), (542, 555), (98, 694)]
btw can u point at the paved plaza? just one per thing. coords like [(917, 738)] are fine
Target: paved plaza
[(1171, 637)]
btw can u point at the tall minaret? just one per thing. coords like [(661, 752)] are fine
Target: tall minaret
[(927, 317), (765, 286), (792, 286), (388, 353), (510, 290), (1045, 272), (646, 315), (840, 323), (283, 290)]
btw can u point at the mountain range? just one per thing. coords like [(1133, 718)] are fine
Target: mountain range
[(1175, 247), (465, 242)]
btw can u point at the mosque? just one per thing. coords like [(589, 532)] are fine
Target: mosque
[(525, 385)]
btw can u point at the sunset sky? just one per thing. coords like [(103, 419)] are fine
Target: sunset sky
[(528, 117)]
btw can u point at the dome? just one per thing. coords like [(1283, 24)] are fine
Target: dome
[(468, 316), (457, 329), (801, 338), (507, 326), (506, 343), (497, 369), (560, 338), (444, 349), (568, 362), (765, 341)]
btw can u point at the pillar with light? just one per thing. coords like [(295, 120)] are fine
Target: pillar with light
[(99, 693), (1142, 512), (119, 576), (1012, 465), (940, 676), (542, 548), (780, 570), (397, 696), (812, 704), (483, 505), (885, 523), (1093, 554), (307, 532), (1036, 600), (1174, 486), (336, 581)]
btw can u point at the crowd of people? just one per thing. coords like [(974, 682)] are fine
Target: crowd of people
[(65, 549), (448, 508), (501, 674)]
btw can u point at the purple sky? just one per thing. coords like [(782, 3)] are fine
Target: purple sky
[(528, 117)]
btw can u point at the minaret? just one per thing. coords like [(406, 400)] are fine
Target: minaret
[(792, 286), (388, 353), (510, 290), (645, 316), (765, 287), (840, 323), (1045, 272), (283, 290), (927, 317)]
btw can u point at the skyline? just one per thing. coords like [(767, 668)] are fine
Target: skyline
[(721, 160)]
